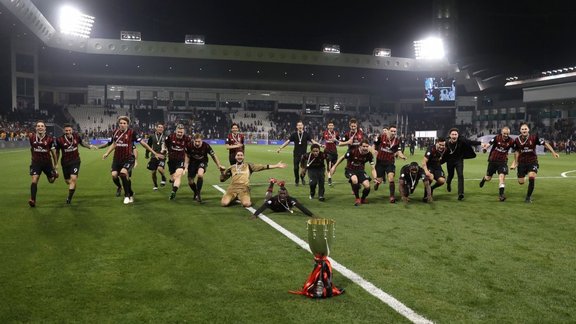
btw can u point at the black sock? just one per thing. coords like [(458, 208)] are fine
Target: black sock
[(199, 184), (174, 189), (163, 177), (435, 185), (192, 186), (482, 182), (365, 193), (530, 186), (33, 190), (392, 188), (127, 186), (155, 179), (71, 193), (356, 189), (501, 191), (117, 182)]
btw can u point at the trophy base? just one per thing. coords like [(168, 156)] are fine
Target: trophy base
[(319, 283)]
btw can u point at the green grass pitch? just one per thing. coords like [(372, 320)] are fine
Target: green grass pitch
[(97, 260)]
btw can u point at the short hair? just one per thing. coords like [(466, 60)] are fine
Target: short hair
[(352, 121), (67, 125), (364, 141), (392, 126), (124, 118), (330, 122), (453, 129), (234, 124), (179, 126), (441, 139), (313, 146), (40, 121), (198, 136), (159, 124)]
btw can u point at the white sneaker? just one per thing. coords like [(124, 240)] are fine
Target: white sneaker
[(131, 199), (126, 200), (162, 183), (155, 188)]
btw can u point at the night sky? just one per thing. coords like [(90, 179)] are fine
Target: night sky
[(525, 35)]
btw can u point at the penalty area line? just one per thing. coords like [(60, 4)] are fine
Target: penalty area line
[(394, 303)]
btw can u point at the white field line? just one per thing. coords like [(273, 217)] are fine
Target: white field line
[(13, 151), (352, 276), (565, 174)]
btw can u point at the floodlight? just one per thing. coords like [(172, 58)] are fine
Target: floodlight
[(331, 48), (430, 48), (194, 39), (130, 36), (383, 52), (75, 23)]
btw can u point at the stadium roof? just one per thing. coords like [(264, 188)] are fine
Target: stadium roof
[(493, 40)]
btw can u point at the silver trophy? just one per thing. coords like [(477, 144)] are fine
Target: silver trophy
[(321, 232)]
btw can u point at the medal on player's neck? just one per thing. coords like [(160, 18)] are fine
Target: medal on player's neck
[(68, 140), (310, 161), (300, 135), (159, 140), (236, 137)]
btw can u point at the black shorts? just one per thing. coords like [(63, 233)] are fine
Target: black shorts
[(360, 174), (497, 167), (384, 167), (174, 165), (126, 164), (331, 157), (155, 163), (194, 167), (70, 169), (37, 169), (524, 168), (437, 172)]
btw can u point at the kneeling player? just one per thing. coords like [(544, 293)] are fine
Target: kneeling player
[(410, 175)]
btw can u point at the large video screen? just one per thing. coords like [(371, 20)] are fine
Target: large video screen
[(439, 92)]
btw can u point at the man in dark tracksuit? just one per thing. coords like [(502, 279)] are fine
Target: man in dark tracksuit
[(457, 149)]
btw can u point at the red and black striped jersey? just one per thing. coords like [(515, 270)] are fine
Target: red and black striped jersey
[(434, 156), (330, 138), (356, 136), (387, 148), (41, 147), (527, 148), (177, 147), (124, 141), (235, 139), (357, 160), (199, 154), (69, 148), (500, 148)]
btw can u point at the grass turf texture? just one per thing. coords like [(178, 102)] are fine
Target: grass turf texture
[(97, 260)]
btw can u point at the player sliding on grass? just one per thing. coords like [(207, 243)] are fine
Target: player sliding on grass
[(282, 202)]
